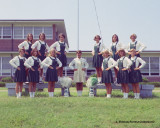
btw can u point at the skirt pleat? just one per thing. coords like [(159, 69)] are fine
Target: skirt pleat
[(107, 76), (123, 77), (97, 61), (51, 75), (63, 59), (135, 76), (20, 76), (33, 76)]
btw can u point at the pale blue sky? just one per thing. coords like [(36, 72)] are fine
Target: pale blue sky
[(122, 17)]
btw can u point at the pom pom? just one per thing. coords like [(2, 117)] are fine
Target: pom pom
[(92, 82), (65, 82)]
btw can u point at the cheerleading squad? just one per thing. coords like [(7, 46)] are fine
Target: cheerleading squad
[(34, 56)]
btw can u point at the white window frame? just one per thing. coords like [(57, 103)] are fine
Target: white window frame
[(3, 34)]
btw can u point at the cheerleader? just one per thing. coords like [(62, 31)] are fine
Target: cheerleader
[(61, 50), (97, 56), (34, 65), (20, 73), (114, 48), (79, 65), (134, 73), (53, 65), (107, 65), (134, 44), (42, 48), (27, 45), (123, 76)]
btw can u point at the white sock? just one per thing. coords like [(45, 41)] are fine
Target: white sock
[(51, 94), (17, 94), (126, 96), (20, 93), (79, 93), (99, 79), (108, 95), (138, 95), (33, 93), (135, 95), (30, 93)]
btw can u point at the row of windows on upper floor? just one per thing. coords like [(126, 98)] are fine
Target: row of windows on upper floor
[(21, 32)]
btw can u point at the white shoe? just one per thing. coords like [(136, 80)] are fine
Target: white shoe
[(108, 96), (135, 95), (79, 93), (138, 95), (126, 97), (51, 94), (33, 94), (17, 94), (20, 93)]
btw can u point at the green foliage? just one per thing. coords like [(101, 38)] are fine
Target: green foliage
[(93, 75), (74, 84), (2, 84), (144, 79), (7, 80)]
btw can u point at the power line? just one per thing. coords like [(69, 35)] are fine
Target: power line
[(97, 19)]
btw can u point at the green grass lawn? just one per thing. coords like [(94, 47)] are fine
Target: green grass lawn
[(78, 112)]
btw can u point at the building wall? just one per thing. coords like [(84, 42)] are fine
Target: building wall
[(11, 43)]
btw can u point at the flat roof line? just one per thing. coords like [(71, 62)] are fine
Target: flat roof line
[(31, 19)]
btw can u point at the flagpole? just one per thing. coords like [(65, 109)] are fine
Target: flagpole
[(78, 27)]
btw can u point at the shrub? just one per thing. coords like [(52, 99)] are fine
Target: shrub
[(93, 75), (144, 79), (7, 79), (2, 84), (156, 84)]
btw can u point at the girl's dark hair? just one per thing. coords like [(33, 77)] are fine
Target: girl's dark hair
[(21, 49), (96, 37), (61, 34), (116, 36), (122, 50), (79, 51), (28, 37), (43, 35), (34, 51)]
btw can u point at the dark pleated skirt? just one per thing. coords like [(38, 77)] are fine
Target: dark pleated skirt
[(135, 76), (123, 77), (20, 76), (97, 61), (115, 57), (107, 76), (62, 57), (51, 75), (33, 76)]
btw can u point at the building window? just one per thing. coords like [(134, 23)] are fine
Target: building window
[(6, 67), (37, 31), (27, 30), (21, 32), (18, 33), (145, 69), (7, 32), (154, 65), (48, 32)]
